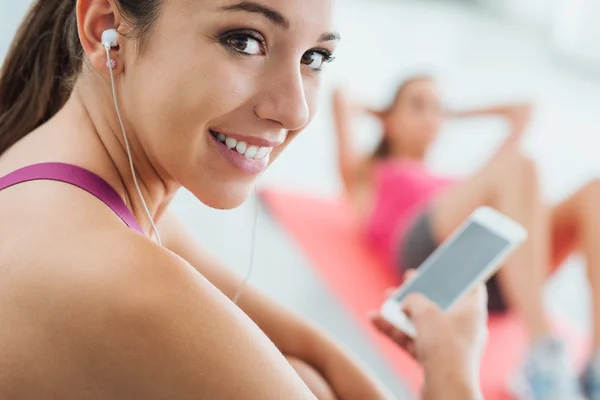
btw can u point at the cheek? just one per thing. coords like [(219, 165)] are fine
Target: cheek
[(423, 122), (277, 151), (433, 124), (403, 122), (437, 125), (172, 110), (312, 90)]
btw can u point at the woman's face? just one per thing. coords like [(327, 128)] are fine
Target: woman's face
[(221, 87), (416, 117)]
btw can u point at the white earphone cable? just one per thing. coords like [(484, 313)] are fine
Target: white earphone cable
[(114, 92), (147, 211), (252, 249)]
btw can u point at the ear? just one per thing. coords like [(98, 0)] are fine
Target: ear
[(93, 18)]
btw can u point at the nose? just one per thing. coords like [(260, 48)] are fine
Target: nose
[(283, 99)]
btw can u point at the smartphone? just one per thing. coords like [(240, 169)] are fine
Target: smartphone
[(471, 255)]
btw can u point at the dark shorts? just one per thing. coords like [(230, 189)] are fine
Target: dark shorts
[(419, 243)]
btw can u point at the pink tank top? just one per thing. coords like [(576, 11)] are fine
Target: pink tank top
[(403, 190)]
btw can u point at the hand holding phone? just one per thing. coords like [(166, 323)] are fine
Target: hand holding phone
[(451, 360), (473, 253)]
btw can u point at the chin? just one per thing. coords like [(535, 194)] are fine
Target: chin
[(226, 199)]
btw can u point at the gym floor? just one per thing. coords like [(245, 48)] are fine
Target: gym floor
[(480, 60)]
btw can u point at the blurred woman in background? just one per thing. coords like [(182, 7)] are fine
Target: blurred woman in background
[(408, 210)]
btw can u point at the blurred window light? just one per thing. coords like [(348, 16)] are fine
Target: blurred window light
[(577, 31)]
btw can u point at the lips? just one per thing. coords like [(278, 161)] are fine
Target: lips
[(250, 151), (246, 156)]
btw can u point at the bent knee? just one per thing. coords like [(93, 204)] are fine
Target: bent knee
[(521, 167), (588, 198)]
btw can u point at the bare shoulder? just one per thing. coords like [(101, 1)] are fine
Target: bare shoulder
[(102, 311), (166, 320)]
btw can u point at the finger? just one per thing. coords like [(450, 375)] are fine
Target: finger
[(481, 295), (391, 331), (471, 313), (411, 348), (423, 313), (409, 274), (477, 298), (383, 325), (417, 304)]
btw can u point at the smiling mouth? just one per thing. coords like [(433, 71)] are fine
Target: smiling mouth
[(251, 152)]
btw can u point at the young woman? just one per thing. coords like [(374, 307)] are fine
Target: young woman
[(408, 210), (103, 293)]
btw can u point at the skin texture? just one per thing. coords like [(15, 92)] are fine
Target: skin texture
[(507, 182)]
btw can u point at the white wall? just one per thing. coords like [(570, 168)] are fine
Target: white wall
[(11, 13), (577, 31), (570, 27)]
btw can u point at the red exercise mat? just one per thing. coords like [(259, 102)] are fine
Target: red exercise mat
[(328, 235)]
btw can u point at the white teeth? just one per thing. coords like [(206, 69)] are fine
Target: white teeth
[(230, 142), (251, 151), (262, 152), (241, 147)]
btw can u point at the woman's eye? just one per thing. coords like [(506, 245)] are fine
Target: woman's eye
[(246, 44), (316, 59)]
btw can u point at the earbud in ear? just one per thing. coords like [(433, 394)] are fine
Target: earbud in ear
[(109, 38)]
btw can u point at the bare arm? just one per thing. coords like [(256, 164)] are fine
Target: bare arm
[(166, 332), (292, 334), (518, 116), (505, 110), (450, 387), (349, 161)]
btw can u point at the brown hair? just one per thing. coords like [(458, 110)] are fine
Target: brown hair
[(384, 148), (44, 61)]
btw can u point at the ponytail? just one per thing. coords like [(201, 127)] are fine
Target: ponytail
[(37, 76)]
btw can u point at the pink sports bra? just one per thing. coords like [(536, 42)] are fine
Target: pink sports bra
[(76, 176), (402, 191)]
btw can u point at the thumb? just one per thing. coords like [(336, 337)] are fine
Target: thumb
[(422, 312), (409, 274)]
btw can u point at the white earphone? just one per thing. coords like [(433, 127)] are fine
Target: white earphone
[(110, 40)]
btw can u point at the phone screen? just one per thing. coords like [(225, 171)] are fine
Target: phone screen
[(445, 275)]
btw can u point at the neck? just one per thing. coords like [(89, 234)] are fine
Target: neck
[(407, 153), (96, 115)]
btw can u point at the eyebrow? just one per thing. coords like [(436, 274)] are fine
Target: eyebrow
[(249, 6), (275, 17), (329, 36)]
